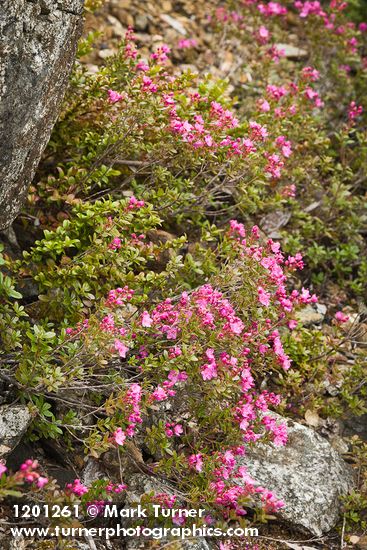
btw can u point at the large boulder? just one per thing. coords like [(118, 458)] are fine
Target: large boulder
[(307, 474), (37, 47)]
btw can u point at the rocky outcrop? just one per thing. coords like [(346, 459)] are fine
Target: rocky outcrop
[(37, 47), (307, 474), (14, 420)]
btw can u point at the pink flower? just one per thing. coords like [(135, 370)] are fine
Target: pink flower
[(306, 298), (263, 35), (142, 66), (3, 469), (41, 482), (119, 436), (160, 55), (310, 73), (121, 348), (146, 320), (186, 43), (288, 191), (148, 85), (264, 297), (264, 106), (236, 227), (114, 97), (226, 545), (134, 203), (257, 131), (276, 92), (178, 520), (284, 145), (175, 351), (274, 166), (159, 394), (271, 9), (279, 431), (196, 461), (209, 371), (178, 429), (313, 96), (115, 244), (209, 140), (309, 8), (341, 317), (354, 110), (255, 232), (77, 487), (236, 325)]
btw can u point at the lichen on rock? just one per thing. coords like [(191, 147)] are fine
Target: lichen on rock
[(38, 41)]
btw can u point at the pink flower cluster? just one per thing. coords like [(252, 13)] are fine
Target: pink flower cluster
[(232, 485), (309, 73), (203, 134), (190, 321), (262, 35), (354, 111), (115, 97), (223, 15), (309, 8), (116, 488), (130, 51), (161, 393), (118, 296), (313, 96), (28, 472), (134, 203), (131, 400), (79, 327), (209, 369), (165, 499), (160, 55), (196, 462), (272, 260), (148, 85), (172, 429), (271, 9), (115, 244), (186, 43), (77, 488), (340, 317)]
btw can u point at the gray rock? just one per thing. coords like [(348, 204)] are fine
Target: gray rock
[(197, 544), (274, 221), (139, 484), (106, 53), (118, 29), (307, 474), (37, 46), (174, 23), (292, 52), (91, 472), (141, 22), (14, 421), (356, 425), (312, 314)]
